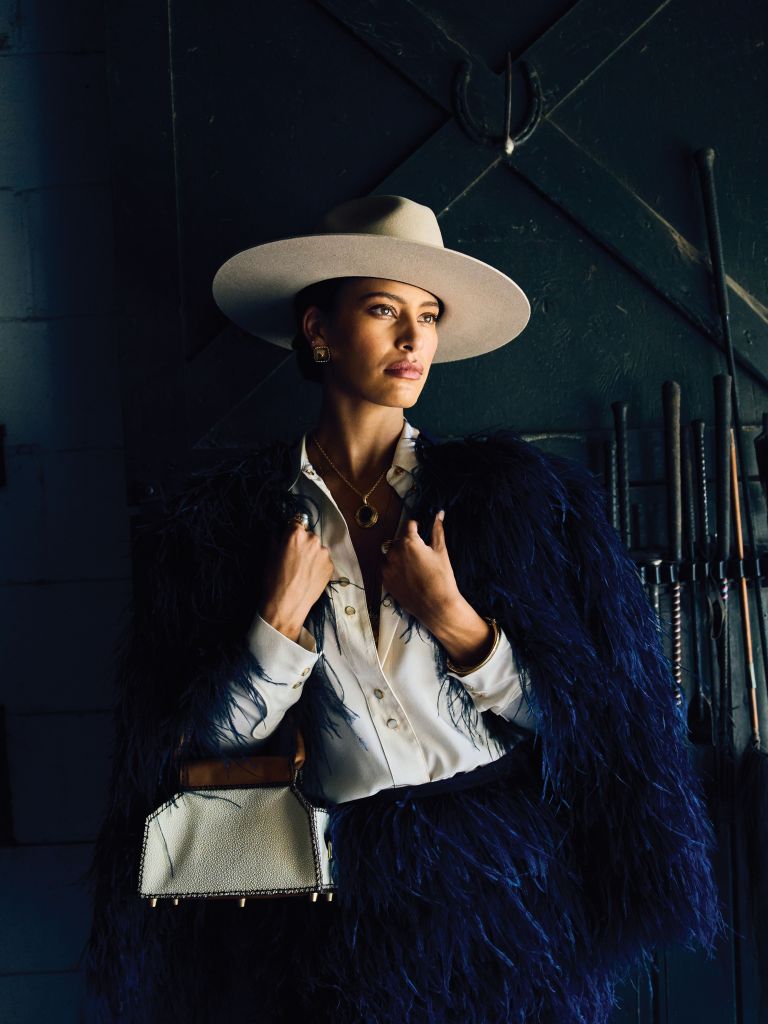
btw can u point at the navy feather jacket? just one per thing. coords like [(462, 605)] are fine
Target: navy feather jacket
[(619, 807)]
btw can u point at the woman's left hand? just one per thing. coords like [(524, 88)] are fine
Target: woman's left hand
[(420, 575)]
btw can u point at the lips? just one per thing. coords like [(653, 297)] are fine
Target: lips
[(408, 370)]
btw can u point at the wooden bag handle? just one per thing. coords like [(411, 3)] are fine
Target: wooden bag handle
[(206, 773)]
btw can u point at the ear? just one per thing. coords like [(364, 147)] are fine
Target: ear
[(312, 324)]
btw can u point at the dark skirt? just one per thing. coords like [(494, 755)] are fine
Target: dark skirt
[(452, 908)]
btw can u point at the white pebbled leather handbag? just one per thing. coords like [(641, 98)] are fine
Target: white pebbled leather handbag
[(237, 830)]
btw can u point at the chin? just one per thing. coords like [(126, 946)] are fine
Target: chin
[(407, 395), (399, 402)]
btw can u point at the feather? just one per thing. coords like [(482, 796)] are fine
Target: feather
[(532, 545), (610, 827)]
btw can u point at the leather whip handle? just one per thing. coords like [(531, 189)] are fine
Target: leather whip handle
[(671, 402), (761, 455), (722, 384), (620, 410)]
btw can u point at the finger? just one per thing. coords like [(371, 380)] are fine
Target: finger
[(401, 530), (300, 519), (438, 534), (411, 529)]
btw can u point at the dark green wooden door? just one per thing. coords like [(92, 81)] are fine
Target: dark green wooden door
[(236, 124)]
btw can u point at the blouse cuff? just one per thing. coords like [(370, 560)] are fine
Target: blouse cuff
[(283, 660), (496, 686)]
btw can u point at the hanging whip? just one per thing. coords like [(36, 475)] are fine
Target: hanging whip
[(752, 776)]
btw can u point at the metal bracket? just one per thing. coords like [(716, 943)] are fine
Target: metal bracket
[(659, 571)]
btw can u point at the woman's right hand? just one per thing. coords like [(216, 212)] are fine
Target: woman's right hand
[(297, 572)]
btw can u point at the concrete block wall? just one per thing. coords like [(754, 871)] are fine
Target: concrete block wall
[(64, 541)]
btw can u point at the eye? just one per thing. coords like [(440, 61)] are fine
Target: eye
[(434, 316)]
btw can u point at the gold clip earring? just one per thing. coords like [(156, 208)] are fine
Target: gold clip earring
[(321, 353)]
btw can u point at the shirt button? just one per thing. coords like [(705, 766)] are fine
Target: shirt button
[(297, 685), (379, 693), (350, 610), (305, 671), (392, 723), (344, 581), (386, 602)]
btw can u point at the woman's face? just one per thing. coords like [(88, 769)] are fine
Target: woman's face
[(378, 322)]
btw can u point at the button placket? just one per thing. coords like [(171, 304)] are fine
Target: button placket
[(386, 711), (392, 714), (385, 708)]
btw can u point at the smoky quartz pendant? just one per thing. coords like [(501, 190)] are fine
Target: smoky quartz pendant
[(366, 515)]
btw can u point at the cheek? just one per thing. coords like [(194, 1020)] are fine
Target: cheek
[(360, 343), (430, 352), (367, 335)]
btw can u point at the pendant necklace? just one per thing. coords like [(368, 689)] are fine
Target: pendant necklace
[(365, 515)]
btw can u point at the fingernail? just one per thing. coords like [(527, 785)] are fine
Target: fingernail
[(441, 514)]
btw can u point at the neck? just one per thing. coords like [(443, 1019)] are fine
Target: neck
[(361, 442)]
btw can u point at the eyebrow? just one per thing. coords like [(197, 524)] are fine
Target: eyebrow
[(397, 298)]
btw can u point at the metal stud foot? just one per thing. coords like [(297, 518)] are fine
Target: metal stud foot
[(313, 896), (153, 901), (175, 901), (241, 902), (328, 897)]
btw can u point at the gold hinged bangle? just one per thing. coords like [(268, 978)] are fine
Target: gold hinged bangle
[(455, 671)]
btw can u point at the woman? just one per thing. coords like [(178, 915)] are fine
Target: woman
[(363, 449), (468, 651)]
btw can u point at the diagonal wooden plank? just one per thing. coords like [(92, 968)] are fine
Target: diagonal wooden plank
[(637, 236), (230, 369), (565, 56)]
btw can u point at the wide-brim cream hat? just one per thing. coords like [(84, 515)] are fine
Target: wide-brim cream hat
[(374, 236)]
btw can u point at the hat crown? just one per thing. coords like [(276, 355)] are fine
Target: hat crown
[(394, 216)]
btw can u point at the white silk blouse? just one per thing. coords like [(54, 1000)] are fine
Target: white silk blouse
[(402, 718)]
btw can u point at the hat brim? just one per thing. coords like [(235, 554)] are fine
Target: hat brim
[(484, 309)]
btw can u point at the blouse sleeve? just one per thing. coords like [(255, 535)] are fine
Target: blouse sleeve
[(287, 665)]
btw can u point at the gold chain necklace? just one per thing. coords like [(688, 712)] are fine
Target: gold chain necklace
[(365, 515)]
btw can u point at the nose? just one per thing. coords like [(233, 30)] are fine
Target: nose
[(410, 335)]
